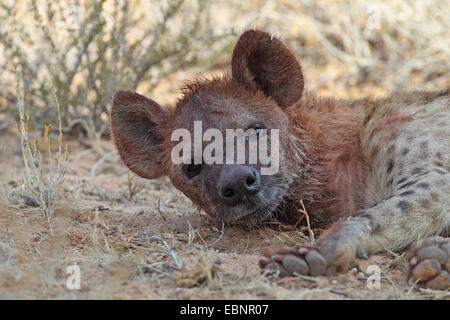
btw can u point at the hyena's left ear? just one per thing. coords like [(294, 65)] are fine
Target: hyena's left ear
[(138, 127), (262, 62)]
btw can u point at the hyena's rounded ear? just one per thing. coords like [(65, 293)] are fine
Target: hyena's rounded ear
[(262, 62), (137, 125)]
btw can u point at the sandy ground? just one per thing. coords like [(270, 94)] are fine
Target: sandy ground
[(108, 234)]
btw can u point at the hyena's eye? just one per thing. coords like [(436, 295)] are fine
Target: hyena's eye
[(257, 126), (191, 170)]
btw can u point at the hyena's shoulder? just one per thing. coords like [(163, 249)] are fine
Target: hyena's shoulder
[(406, 114), (406, 107), (404, 138)]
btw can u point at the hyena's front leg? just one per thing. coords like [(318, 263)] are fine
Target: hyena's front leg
[(418, 209), (335, 251)]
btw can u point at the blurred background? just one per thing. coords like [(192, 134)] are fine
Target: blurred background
[(83, 51)]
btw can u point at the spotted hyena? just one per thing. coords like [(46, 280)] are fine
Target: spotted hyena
[(376, 172)]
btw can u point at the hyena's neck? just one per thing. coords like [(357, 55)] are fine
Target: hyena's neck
[(332, 179)]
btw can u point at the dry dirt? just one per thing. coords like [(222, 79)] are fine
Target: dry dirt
[(108, 235)]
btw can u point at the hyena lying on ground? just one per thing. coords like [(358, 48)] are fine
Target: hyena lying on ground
[(377, 172)]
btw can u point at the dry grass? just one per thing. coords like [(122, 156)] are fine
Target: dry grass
[(134, 238), (40, 185), (368, 39)]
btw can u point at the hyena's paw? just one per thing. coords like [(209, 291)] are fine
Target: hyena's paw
[(288, 261), (429, 263)]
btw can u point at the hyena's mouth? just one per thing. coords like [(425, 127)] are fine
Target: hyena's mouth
[(257, 209)]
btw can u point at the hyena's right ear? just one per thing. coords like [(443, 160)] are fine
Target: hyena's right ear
[(263, 62), (137, 125)]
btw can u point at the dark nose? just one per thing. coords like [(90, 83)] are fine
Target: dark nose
[(236, 182)]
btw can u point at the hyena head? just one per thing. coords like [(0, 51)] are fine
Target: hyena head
[(265, 80)]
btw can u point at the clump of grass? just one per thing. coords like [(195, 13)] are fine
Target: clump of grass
[(134, 187), (42, 179), (203, 272)]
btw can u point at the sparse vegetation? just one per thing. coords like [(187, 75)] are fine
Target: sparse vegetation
[(41, 183), (84, 51)]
